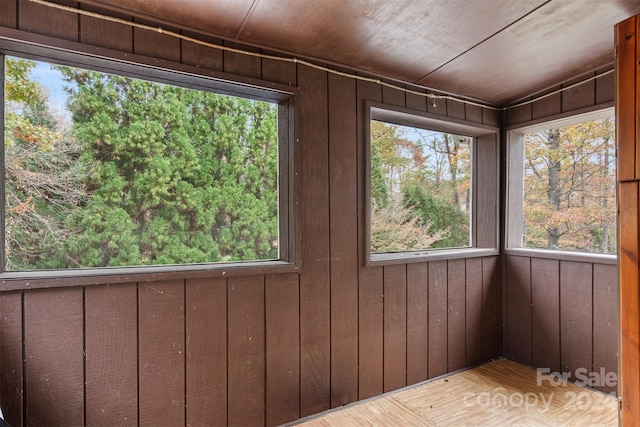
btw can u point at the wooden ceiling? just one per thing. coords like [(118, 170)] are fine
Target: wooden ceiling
[(496, 51)]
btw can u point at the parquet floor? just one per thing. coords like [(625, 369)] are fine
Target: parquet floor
[(499, 393)]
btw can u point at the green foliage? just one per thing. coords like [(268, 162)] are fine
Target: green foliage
[(149, 174), (19, 87), (397, 228), (43, 177), (179, 176), (419, 189), (379, 190), (440, 214)]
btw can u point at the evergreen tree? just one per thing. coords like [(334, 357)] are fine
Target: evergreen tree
[(178, 176), (440, 215)]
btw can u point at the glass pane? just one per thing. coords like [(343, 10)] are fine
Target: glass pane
[(570, 188), (420, 189), (103, 170)]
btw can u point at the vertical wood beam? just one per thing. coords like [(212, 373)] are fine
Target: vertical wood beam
[(627, 132)]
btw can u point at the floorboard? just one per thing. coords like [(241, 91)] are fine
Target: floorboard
[(498, 393)]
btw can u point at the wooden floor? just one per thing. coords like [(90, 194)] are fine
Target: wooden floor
[(500, 393)]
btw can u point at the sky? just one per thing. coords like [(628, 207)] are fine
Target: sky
[(51, 81)]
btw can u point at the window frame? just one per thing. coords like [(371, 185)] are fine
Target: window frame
[(43, 48), (484, 175), (514, 186)]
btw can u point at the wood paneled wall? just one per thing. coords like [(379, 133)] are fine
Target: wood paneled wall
[(562, 314), (250, 349)]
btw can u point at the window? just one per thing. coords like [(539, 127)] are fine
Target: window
[(106, 170), (421, 184), (562, 185)]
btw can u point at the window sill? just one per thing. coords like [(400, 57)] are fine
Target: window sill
[(563, 255), (12, 281), (426, 256)]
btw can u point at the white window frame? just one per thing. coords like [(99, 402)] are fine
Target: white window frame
[(514, 196)]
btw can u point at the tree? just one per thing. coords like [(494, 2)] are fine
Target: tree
[(419, 187), (43, 188), (570, 187), (439, 215), (178, 176)]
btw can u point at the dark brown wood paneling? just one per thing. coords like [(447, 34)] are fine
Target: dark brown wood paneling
[(370, 327), (395, 327), (581, 96), (274, 70), (518, 316), (44, 20), (206, 351), (246, 351), (54, 363), (629, 374), (241, 64), (370, 286), (519, 114), (201, 55), (486, 205), (605, 87), (393, 96), (545, 313), (547, 106), (437, 106), (576, 316), (11, 392), (437, 318), (491, 117), (491, 339), (111, 354), (626, 106), (417, 322), (343, 231), (8, 13), (155, 44), (282, 347), (414, 101), (313, 244), (455, 109), (605, 325), (473, 311), (456, 315), (161, 338), (473, 113), (104, 33)]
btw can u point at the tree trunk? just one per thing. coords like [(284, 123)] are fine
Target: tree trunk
[(451, 146), (553, 192)]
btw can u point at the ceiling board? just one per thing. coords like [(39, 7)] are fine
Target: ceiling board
[(223, 18), (492, 50), (403, 39), (561, 40)]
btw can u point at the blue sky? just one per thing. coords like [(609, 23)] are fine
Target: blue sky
[(51, 80)]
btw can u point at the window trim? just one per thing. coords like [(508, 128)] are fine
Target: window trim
[(44, 48), (484, 211), (514, 185)]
